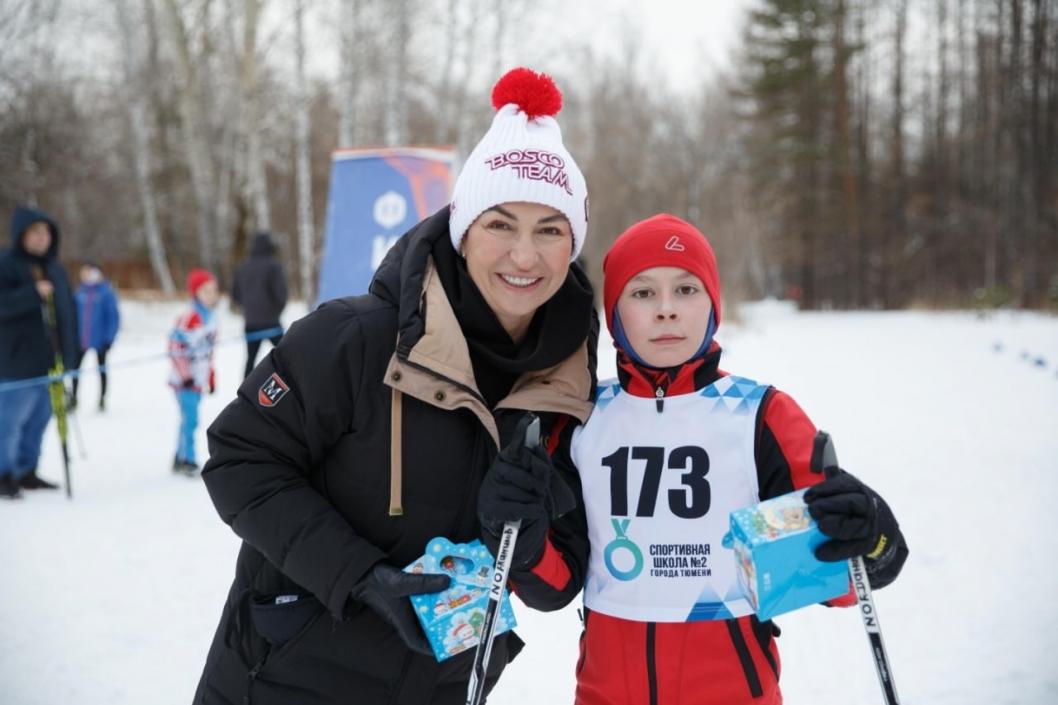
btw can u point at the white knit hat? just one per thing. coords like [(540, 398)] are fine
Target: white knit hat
[(521, 158)]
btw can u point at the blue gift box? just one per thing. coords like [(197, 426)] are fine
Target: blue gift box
[(774, 544), (452, 619)]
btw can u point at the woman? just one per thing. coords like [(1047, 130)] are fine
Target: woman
[(370, 428)]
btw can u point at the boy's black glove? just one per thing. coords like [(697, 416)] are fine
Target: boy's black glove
[(522, 485), (385, 590), (856, 518)]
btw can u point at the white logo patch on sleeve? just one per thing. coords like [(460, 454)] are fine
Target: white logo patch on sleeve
[(272, 391)]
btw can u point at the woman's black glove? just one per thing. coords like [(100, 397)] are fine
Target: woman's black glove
[(858, 521), (522, 484), (385, 590)]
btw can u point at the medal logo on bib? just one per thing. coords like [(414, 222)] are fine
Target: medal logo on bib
[(622, 542)]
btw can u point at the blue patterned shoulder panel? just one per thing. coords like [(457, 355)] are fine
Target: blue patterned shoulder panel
[(606, 391), (740, 395)]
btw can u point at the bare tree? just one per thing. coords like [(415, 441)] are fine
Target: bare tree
[(396, 124), (137, 113), (306, 234), (194, 126), (348, 73), (250, 112)]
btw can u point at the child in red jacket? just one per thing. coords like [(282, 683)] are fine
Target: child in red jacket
[(191, 344), (673, 446)]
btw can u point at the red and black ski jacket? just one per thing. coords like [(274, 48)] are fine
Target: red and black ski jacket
[(626, 662)]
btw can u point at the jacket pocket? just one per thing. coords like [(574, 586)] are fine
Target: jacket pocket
[(764, 633), (745, 658), (583, 641), (279, 618)]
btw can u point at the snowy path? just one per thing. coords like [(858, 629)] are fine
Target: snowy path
[(112, 599)]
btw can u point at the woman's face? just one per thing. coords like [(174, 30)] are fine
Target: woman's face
[(665, 314), (518, 256)]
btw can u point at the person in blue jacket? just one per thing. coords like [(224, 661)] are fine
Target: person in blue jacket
[(98, 321), (38, 326)]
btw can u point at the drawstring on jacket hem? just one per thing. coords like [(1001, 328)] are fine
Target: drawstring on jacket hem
[(396, 507)]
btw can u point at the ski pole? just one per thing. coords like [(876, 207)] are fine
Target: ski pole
[(72, 415), (504, 554), (58, 405), (57, 389), (825, 460)]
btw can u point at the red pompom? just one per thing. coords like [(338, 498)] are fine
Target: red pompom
[(535, 93)]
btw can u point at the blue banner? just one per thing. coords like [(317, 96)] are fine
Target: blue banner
[(376, 196)]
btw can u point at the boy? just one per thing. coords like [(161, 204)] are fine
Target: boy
[(98, 321), (663, 460), (191, 352)]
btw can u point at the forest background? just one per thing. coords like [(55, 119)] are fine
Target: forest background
[(842, 153)]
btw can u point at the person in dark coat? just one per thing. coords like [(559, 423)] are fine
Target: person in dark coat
[(98, 322), (378, 421), (260, 288), (38, 327)]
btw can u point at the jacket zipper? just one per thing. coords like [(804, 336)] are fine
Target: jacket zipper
[(252, 678), (744, 657), (764, 633), (583, 639), (652, 665), (659, 397)]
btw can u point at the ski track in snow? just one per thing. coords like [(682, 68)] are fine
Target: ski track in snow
[(113, 598)]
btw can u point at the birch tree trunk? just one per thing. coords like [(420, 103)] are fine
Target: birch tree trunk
[(194, 128), (351, 17), (444, 106), (306, 235), (256, 181), (137, 113), (397, 92)]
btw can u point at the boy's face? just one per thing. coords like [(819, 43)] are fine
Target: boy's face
[(665, 314), (208, 294), (90, 275)]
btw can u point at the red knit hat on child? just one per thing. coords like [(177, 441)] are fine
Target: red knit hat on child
[(660, 241), (196, 278)]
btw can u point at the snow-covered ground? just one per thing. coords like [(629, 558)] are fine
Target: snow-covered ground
[(112, 599)]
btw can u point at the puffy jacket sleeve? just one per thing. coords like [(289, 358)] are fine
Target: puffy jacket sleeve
[(236, 285), (278, 281), (112, 318), (558, 576), (66, 316), (18, 294), (287, 416), (785, 436)]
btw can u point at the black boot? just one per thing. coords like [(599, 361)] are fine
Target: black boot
[(9, 488), (185, 467), (31, 481)]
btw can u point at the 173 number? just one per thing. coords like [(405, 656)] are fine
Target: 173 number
[(690, 501)]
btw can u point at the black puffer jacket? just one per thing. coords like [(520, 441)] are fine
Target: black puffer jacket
[(27, 347), (301, 470), (260, 286)]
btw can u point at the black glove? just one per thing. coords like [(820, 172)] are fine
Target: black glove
[(385, 590), (856, 518), (522, 485), (188, 383)]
